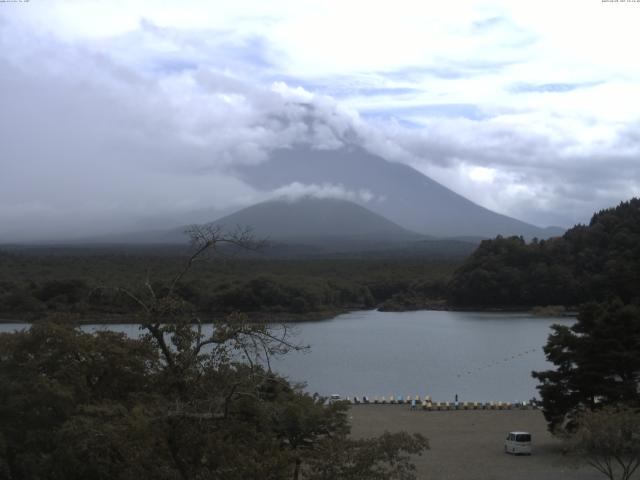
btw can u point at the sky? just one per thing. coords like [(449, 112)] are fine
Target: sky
[(116, 113)]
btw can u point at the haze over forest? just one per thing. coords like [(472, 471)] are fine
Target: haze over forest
[(120, 117)]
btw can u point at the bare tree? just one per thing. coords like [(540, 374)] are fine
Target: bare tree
[(178, 332), (609, 440)]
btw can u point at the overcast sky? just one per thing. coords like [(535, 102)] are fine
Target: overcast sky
[(114, 111)]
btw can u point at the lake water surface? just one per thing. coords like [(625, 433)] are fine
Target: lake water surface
[(479, 356)]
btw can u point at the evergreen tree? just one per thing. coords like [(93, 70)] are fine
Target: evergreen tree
[(597, 363), (596, 262)]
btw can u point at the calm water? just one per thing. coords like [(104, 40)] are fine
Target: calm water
[(479, 356)]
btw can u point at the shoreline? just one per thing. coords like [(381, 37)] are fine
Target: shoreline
[(287, 317), (133, 319)]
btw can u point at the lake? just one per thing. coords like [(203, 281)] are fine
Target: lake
[(479, 356)]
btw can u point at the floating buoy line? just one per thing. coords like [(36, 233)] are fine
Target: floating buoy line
[(507, 359)]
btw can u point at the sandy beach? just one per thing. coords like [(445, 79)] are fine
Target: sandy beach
[(469, 444)]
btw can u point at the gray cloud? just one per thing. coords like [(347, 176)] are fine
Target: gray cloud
[(88, 144), (94, 136), (169, 50), (557, 186)]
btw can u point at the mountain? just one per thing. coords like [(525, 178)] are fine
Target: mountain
[(399, 193), (309, 227), (306, 220), (334, 228), (313, 220)]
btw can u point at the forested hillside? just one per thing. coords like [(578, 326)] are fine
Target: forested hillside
[(589, 262), (36, 283)]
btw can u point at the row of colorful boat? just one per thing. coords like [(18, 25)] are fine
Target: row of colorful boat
[(426, 403)]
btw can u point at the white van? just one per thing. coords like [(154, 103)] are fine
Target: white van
[(518, 443)]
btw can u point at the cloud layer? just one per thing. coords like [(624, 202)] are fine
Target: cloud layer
[(297, 190), (113, 112)]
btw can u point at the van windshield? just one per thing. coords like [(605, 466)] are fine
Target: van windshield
[(523, 437)]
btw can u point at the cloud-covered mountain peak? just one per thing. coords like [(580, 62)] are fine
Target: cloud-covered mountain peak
[(393, 190)]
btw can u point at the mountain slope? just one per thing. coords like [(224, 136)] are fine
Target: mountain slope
[(401, 193), (309, 227), (291, 226), (310, 218)]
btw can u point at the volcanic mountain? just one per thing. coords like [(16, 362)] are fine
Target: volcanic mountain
[(312, 226), (309, 218), (396, 191)]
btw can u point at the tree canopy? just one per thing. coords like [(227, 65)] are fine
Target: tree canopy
[(175, 403), (37, 282), (609, 439), (597, 363), (588, 263)]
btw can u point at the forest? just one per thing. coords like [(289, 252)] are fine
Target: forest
[(593, 262), (40, 282), (175, 403)]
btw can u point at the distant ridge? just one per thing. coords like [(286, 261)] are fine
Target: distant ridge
[(306, 220), (305, 227)]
